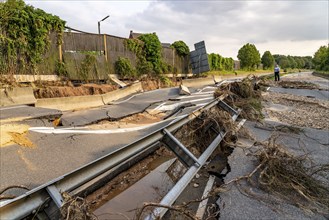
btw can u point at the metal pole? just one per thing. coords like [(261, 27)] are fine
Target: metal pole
[(99, 24)]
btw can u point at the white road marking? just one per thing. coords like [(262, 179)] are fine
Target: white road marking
[(173, 106), (203, 204), (51, 130)]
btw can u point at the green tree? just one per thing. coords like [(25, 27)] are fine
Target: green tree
[(24, 35), (249, 56), (284, 62), (292, 62), (321, 58), (267, 60), (124, 68), (181, 48), (217, 62), (152, 51), (308, 62)]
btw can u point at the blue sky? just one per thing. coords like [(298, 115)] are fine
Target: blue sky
[(282, 27)]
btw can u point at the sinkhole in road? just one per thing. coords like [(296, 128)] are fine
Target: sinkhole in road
[(125, 199)]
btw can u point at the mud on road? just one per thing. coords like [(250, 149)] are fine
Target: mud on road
[(301, 111)]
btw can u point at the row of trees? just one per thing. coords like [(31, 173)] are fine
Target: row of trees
[(250, 59), (293, 61), (217, 62)]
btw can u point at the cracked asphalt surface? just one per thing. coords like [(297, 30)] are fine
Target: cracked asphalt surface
[(57, 154)]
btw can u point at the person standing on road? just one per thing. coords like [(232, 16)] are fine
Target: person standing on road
[(277, 72)]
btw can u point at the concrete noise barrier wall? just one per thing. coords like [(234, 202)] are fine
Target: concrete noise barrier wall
[(17, 96), (121, 93), (71, 103), (199, 82), (88, 101)]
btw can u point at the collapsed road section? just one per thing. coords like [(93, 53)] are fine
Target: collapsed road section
[(46, 200), (184, 172)]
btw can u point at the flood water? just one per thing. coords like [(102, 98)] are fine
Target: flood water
[(150, 188)]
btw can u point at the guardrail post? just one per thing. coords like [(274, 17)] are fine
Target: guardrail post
[(183, 154)]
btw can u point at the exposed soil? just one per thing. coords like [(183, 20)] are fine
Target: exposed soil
[(305, 112), (65, 91), (152, 84), (135, 120), (290, 83), (127, 178), (14, 134)]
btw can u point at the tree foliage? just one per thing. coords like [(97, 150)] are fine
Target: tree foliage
[(24, 34), (293, 61), (152, 51), (217, 62), (181, 48), (148, 50), (124, 68), (267, 60), (321, 58), (249, 56)]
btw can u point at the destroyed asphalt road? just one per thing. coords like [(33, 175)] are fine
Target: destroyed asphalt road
[(235, 203), (55, 154)]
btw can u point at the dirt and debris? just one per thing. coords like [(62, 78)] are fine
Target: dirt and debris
[(136, 120), (128, 178), (245, 95), (288, 83), (197, 134), (285, 177), (75, 208), (47, 91), (152, 84), (15, 134), (305, 112)]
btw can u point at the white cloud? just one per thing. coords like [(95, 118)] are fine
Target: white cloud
[(283, 27)]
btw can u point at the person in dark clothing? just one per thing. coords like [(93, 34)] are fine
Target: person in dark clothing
[(277, 73)]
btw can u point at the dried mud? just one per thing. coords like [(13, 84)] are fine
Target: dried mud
[(305, 112), (127, 178), (135, 120), (15, 134), (66, 91)]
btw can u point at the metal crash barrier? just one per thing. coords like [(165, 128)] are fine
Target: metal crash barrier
[(45, 201)]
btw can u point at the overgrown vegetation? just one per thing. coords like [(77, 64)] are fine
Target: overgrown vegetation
[(148, 51), (124, 68), (219, 63), (321, 59), (244, 95), (87, 66), (181, 48), (60, 69), (152, 51), (24, 35)]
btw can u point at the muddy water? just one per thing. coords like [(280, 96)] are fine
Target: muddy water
[(150, 188)]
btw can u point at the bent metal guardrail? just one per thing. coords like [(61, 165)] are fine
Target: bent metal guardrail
[(48, 196)]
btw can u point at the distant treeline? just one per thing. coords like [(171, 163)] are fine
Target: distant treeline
[(217, 62), (250, 59), (293, 61)]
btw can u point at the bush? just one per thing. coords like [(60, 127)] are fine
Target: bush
[(124, 69), (181, 48)]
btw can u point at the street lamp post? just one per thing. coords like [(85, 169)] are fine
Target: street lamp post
[(99, 24)]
